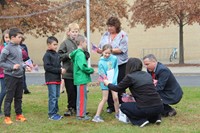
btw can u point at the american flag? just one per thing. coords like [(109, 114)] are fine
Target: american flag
[(94, 48), (102, 77), (29, 63)]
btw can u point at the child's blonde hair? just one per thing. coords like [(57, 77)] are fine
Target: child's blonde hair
[(71, 26)]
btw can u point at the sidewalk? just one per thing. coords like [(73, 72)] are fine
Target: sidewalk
[(178, 71)]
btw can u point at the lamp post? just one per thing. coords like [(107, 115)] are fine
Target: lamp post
[(88, 28)]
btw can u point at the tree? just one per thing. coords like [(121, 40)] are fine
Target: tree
[(152, 13), (37, 17), (43, 17)]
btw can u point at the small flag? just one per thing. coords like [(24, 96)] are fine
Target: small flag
[(102, 77), (94, 48), (29, 63)]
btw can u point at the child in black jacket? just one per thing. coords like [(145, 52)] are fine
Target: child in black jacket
[(53, 71)]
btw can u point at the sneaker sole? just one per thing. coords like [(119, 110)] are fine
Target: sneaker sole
[(158, 122), (54, 120), (96, 121), (21, 120), (144, 124), (8, 123)]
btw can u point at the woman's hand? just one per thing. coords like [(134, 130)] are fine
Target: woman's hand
[(106, 82), (155, 82)]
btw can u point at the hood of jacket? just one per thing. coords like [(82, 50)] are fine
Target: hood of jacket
[(73, 53)]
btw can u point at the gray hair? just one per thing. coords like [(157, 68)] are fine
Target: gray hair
[(150, 57), (79, 38)]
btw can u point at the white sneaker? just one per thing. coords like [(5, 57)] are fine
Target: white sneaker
[(97, 119), (144, 124), (158, 122)]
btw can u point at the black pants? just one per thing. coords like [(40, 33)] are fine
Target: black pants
[(14, 90), (71, 93), (24, 82), (137, 116), (121, 75), (167, 109)]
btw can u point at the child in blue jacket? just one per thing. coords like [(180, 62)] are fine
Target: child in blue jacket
[(107, 68)]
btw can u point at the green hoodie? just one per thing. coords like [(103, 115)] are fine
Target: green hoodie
[(81, 70)]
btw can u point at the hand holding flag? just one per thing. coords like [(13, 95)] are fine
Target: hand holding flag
[(102, 77), (29, 63), (94, 48)]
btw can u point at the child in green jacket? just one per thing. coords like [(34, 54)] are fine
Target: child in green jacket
[(81, 76)]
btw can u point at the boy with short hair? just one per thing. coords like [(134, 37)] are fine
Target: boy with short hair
[(81, 76), (11, 61), (53, 71), (66, 47)]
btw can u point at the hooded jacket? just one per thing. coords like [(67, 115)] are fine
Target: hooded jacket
[(81, 72), (106, 64)]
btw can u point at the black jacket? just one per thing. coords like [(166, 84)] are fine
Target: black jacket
[(52, 66), (141, 86)]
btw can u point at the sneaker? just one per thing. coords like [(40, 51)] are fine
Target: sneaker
[(20, 117), (144, 123), (83, 117), (158, 122), (97, 119), (117, 116), (27, 92), (55, 117), (172, 113), (70, 112), (109, 111), (87, 113), (8, 121), (59, 116)]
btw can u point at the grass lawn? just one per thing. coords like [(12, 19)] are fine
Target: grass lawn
[(187, 119)]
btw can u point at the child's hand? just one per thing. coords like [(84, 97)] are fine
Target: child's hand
[(28, 69), (16, 66), (63, 70), (106, 82)]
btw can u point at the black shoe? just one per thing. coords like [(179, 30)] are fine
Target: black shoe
[(87, 113), (109, 111), (27, 92), (172, 113), (70, 112)]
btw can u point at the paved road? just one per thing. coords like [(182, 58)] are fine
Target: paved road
[(186, 80)]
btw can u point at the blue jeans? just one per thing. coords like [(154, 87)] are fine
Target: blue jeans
[(54, 94), (2, 92)]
